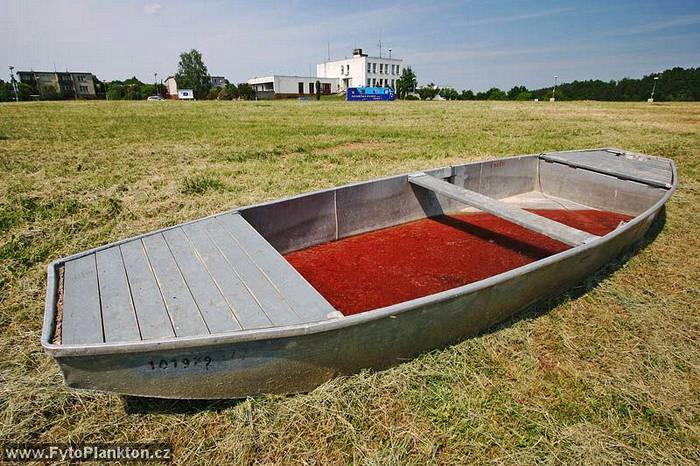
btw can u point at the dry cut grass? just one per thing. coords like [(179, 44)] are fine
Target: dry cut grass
[(609, 373)]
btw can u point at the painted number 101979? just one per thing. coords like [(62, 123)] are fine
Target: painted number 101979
[(201, 362)]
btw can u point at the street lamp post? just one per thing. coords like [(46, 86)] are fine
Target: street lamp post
[(653, 89), (554, 89), (14, 83), (155, 83)]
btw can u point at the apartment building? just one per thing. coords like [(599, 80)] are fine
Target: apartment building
[(64, 84)]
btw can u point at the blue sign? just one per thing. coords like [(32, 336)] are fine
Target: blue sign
[(369, 93)]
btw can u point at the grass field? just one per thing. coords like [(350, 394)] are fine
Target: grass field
[(607, 374)]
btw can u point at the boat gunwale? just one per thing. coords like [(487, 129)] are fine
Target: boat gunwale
[(289, 331)]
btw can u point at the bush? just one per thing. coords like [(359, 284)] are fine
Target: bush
[(246, 91), (213, 93)]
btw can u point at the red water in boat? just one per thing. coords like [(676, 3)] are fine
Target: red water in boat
[(420, 258)]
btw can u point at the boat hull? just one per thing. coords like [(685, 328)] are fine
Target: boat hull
[(302, 360)]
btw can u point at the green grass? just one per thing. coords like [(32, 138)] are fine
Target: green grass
[(609, 373)]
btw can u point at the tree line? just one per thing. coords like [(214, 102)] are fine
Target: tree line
[(675, 84)]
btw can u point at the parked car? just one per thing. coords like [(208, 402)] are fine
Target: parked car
[(155, 97)]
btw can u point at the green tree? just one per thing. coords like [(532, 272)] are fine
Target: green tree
[(515, 91), (231, 91), (428, 92), (449, 94), (467, 94), (526, 95), (213, 93), (5, 91), (318, 90), (24, 91), (133, 92), (246, 91), (116, 91), (406, 83), (193, 74), (496, 94), (224, 94)]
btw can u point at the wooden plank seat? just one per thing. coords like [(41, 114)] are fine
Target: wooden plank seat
[(556, 230), (654, 172), (212, 276)]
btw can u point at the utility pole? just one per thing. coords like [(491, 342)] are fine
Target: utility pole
[(554, 89), (155, 83), (14, 83), (653, 89), (389, 54)]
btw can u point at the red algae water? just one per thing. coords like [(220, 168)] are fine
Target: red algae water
[(420, 258)]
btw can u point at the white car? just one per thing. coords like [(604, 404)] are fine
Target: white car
[(155, 97)]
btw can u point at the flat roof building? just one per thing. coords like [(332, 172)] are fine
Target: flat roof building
[(282, 87), (335, 76)]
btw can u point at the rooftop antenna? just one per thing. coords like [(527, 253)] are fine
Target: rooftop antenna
[(329, 51), (380, 46)]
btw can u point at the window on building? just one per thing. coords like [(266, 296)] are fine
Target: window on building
[(326, 88), (83, 89), (374, 67), (369, 67), (342, 69), (311, 88), (301, 88), (397, 70), (392, 83), (347, 69), (369, 82)]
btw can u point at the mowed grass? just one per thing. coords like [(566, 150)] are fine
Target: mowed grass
[(609, 373)]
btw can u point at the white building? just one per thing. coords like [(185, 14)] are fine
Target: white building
[(280, 87), (362, 70), (170, 87), (334, 76)]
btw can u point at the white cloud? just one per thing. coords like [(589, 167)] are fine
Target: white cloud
[(152, 8)]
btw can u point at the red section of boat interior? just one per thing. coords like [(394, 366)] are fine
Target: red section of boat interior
[(416, 259)]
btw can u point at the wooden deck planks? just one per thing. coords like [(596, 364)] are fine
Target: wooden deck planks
[(153, 318), (247, 310), (212, 304), (217, 275), (183, 310), (304, 299), (118, 315), (275, 307), (556, 230), (82, 319)]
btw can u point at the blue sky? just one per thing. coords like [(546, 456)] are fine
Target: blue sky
[(464, 44)]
